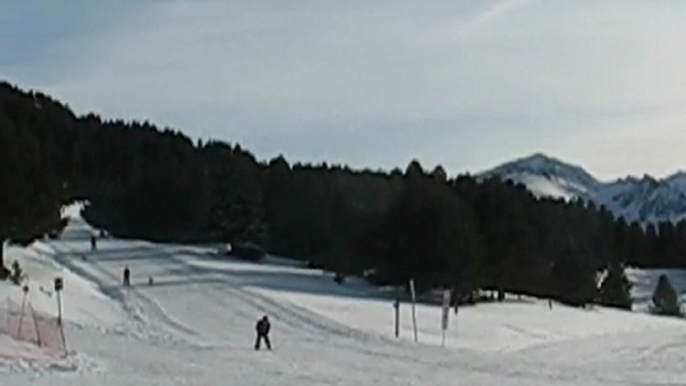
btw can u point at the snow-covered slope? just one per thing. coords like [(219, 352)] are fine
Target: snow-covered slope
[(645, 200), (195, 326), (547, 177)]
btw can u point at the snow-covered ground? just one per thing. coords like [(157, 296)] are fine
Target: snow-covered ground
[(195, 326)]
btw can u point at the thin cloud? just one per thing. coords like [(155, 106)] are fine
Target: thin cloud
[(492, 14), (378, 83)]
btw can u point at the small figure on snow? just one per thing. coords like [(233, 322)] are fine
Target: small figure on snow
[(262, 328), (127, 276), (94, 243)]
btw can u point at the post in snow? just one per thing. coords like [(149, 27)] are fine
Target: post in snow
[(414, 312), (59, 286), (396, 306), (446, 313)]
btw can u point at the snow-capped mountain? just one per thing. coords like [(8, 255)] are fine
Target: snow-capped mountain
[(647, 200)]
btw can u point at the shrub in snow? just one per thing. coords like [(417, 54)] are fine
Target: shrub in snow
[(248, 251), (665, 298)]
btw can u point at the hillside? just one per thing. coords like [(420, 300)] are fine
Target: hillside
[(156, 184), (194, 326)]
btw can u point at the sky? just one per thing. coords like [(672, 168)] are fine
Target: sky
[(375, 84)]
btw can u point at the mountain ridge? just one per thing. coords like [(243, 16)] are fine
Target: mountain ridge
[(645, 200)]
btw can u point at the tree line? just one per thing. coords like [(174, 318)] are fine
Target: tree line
[(463, 233)]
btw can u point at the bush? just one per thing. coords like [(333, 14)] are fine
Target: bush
[(665, 298), (314, 265), (248, 251)]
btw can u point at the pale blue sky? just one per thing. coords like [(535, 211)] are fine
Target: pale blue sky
[(465, 84)]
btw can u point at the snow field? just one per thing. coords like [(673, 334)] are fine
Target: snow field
[(195, 326)]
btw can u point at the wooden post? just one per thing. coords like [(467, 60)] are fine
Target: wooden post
[(446, 312), (59, 285), (396, 305), (59, 308), (414, 311)]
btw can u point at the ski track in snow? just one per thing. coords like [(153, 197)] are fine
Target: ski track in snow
[(134, 301)]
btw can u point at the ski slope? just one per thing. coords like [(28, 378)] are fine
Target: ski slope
[(195, 326)]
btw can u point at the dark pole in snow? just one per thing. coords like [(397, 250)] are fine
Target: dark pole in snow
[(59, 285), (414, 311), (59, 308), (396, 305)]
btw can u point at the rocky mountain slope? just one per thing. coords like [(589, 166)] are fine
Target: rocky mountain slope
[(647, 199)]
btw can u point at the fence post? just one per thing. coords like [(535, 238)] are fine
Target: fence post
[(59, 286), (396, 305), (414, 312), (445, 314)]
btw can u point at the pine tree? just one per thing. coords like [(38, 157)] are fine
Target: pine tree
[(573, 280), (665, 298), (29, 200), (615, 288)]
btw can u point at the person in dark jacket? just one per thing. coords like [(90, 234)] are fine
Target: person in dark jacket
[(127, 276), (262, 328)]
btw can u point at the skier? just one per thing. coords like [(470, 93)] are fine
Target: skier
[(127, 276), (94, 243), (262, 328)]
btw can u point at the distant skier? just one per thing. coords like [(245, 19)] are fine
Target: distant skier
[(94, 243), (127, 276), (262, 328)]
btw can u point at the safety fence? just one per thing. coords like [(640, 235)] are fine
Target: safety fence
[(23, 323)]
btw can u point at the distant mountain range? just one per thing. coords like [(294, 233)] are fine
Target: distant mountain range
[(646, 200)]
